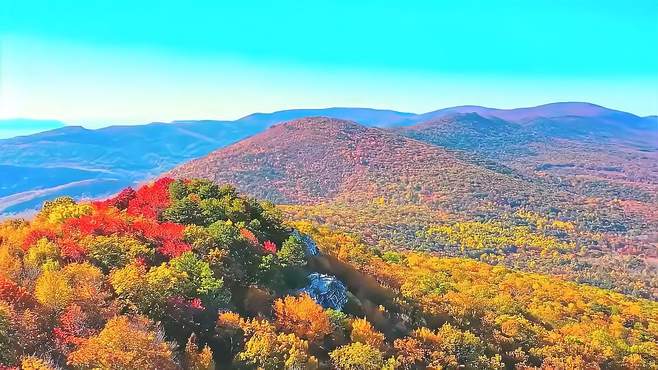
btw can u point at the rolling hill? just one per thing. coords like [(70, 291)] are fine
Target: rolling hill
[(119, 155), (320, 159), (616, 162)]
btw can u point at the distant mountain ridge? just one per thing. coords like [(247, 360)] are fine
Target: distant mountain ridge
[(126, 155), (364, 116), (391, 118), (319, 158), (520, 115)]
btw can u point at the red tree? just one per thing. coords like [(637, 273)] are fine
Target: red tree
[(152, 199)]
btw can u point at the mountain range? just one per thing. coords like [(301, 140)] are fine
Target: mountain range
[(91, 163)]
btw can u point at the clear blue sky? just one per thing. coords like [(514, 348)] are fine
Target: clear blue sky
[(114, 61)]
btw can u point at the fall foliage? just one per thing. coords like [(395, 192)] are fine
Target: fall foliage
[(303, 317), (187, 274)]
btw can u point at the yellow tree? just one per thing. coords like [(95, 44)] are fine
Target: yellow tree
[(35, 363), (267, 349), (198, 359), (62, 208), (357, 356), (125, 343), (79, 283), (303, 317), (52, 290), (363, 332)]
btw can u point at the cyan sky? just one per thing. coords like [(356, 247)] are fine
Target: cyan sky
[(116, 61)]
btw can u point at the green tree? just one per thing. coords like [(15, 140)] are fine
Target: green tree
[(178, 190), (114, 251), (184, 211), (205, 189), (8, 343), (200, 279), (199, 238), (292, 252), (213, 210)]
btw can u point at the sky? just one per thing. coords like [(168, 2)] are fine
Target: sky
[(96, 62)]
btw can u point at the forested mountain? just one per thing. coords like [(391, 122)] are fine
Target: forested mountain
[(608, 163), (612, 161), (188, 274), (318, 159), (400, 193)]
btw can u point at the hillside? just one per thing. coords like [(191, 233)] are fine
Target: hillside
[(397, 192), (604, 163), (489, 137), (188, 274), (320, 159)]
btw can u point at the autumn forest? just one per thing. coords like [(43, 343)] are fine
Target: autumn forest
[(191, 274)]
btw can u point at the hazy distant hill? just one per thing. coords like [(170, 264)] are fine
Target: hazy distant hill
[(26, 188), (582, 121), (552, 110), (122, 155), (595, 155), (389, 118), (364, 116)]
